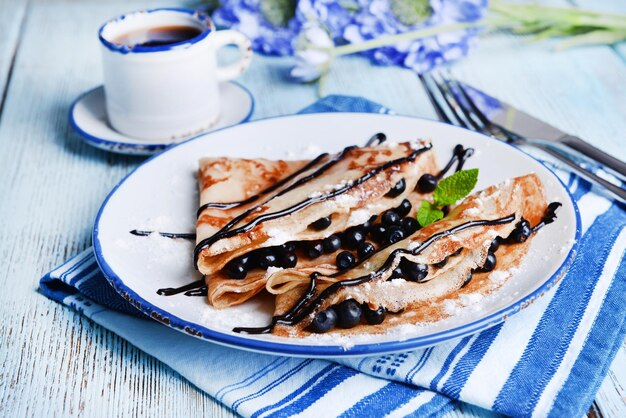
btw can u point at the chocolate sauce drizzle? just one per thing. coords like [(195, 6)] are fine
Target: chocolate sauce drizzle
[(376, 139), (306, 304), (188, 289), (265, 191), (172, 235), (226, 232), (459, 155), (548, 217)]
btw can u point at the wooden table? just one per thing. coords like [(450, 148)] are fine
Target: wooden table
[(54, 362)]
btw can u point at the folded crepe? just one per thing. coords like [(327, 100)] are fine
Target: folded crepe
[(250, 205), (235, 181), (461, 242)]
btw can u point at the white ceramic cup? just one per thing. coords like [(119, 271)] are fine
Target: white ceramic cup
[(166, 92)]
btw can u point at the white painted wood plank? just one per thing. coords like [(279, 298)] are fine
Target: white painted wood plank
[(11, 19), (53, 362), (607, 6), (611, 398)]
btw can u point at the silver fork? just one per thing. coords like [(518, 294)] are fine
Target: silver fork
[(454, 106)]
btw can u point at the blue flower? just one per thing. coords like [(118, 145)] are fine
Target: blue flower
[(314, 53), (274, 25), (364, 20), (270, 25), (335, 15)]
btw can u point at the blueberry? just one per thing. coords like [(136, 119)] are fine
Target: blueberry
[(331, 244), (409, 225), (288, 260), (441, 263), (267, 259), (321, 223), (415, 272), (394, 235), (374, 316), (345, 260), (445, 210), (348, 313), (353, 237), (495, 244), (390, 217), (379, 232), (404, 208), (397, 189), (365, 250), (490, 263), (521, 232), (313, 249), (324, 321), (245, 261), (237, 268), (289, 247), (368, 225), (427, 183)]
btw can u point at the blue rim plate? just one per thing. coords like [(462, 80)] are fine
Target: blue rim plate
[(88, 118), (160, 194)]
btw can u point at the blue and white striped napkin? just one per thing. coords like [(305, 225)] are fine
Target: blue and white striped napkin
[(548, 360)]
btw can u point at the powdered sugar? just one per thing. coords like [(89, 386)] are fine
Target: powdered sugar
[(359, 216), (339, 186), (278, 236), (471, 211), (345, 200), (500, 276)]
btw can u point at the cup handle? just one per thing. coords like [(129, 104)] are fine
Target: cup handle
[(225, 37)]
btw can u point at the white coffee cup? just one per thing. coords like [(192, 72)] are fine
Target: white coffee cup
[(166, 92)]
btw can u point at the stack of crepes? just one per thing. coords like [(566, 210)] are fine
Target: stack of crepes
[(255, 209)]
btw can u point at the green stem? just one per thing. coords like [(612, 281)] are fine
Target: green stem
[(409, 36)]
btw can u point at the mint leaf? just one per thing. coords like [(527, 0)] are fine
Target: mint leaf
[(456, 187), (428, 213), (278, 12)]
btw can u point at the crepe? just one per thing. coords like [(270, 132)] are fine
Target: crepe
[(500, 208), (228, 180), (348, 187)]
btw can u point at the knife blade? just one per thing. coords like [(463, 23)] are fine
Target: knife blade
[(523, 124)]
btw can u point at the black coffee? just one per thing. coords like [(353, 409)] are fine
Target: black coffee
[(163, 35)]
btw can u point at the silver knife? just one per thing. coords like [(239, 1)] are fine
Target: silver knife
[(528, 126)]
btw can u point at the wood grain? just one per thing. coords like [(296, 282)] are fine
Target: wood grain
[(53, 362), (11, 20)]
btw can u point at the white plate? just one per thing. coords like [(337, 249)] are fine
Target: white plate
[(89, 119), (161, 195)]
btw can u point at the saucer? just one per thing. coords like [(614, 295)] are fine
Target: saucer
[(89, 119)]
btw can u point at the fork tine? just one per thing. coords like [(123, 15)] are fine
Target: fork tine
[(474, 109), (453, 102), (489, 127), (454, 90), (438, 109)]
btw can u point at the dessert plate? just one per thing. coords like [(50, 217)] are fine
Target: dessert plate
[(162, 195), (89, 119)]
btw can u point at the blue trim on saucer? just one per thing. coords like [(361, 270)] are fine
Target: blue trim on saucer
[(125, 49), (255, 343), (138, 149)]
